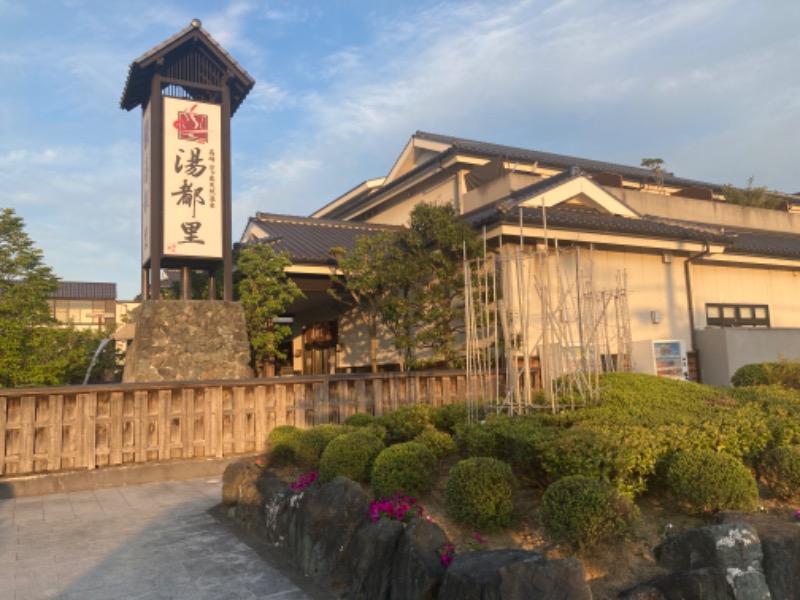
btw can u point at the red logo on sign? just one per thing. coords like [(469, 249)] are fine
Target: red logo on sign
[(192, 127)]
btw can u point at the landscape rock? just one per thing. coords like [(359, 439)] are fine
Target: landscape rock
[(327, 518), (418, 569), (780, 543), (374, 550), (488, 575), (720, 561)]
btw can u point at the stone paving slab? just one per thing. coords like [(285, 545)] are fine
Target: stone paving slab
[(142, 542)]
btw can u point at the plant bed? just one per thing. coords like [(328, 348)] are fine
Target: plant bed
[(609, 567)]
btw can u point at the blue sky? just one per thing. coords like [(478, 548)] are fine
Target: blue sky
[(710, 86)]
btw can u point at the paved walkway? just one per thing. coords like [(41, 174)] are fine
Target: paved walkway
[(148, 542)]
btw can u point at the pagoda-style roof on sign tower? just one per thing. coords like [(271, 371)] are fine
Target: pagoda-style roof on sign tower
[(191, 56)]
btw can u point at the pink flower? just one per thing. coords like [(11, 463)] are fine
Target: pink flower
[(303, 482), (796, 515), (446, 554)]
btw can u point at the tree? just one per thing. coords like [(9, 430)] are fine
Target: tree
[(411, 280), (656, 165), (757, 197), (437, 251), (25, 285), (357, 283), (265, 291)]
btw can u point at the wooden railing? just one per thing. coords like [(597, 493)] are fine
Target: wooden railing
[(86, 427)]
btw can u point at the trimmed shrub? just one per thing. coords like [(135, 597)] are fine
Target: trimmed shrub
[(750, 375), (784, 373), (405, 468), (438, 442), (359, 420), (350, 455), (479, 493), (780, 470), (283, 443), (447, 417), (405, 423), (478, 439), (313, 442), (708, 481), (585, 511)]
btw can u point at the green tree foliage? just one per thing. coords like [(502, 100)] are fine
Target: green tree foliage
[(411, 281), (656, 165), (265, 291), (34, 349), (757, 197), (25, 284), (360, 285)]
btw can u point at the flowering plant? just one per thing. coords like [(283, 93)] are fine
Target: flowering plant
[(476, 542), (796, 515), (261, 462), (303, 482), (446, 554), (398, 507)]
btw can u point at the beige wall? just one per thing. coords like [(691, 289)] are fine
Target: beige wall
[(709, 211), (779, 289)]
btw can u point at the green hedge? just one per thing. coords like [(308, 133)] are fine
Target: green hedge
[(405, 468), (586, 511), (479, 492)]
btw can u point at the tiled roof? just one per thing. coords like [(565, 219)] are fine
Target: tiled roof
[(137, 85), (308, 240), (764, 244), (86, 290), (560, 161), (561, 217)]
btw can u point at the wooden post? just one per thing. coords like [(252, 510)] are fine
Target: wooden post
[(115, 429), (238, 415), (3, 420), (188, 423), (260, 397), (140, 425)]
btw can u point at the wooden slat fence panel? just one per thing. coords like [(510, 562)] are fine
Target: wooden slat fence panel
[(49, 429)]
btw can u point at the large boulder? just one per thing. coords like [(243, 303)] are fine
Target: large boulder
[(374, 550), (780, 542), (417, 571), (513, 574), (327, 518), (716, 562)]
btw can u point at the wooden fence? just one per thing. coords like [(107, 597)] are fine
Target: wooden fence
[(86, 427)]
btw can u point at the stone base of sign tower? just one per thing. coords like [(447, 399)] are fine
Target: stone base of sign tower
[(183, 340)]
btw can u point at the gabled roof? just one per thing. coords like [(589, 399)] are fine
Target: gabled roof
[(560, 161), (451, 147), (85, 290), (569, 184), (172, 57), (308, 240)]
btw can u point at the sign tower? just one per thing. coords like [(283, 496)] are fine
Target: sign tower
[(189, 87)]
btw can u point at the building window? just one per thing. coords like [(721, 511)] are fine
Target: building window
[(737, 315)]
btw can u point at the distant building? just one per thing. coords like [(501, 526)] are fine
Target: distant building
[(707, 285), (85, 304)]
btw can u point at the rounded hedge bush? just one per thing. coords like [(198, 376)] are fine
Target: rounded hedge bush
[(480, 493), (448, 416), (284, 441), (753, 374), (350, 455), (313, 441), (780, 470), (405, 423), (708, 481), (440, 443), (585, 511), (405, 469), (359, 420)]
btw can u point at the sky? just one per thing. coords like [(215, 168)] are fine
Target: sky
[(712, 87)]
